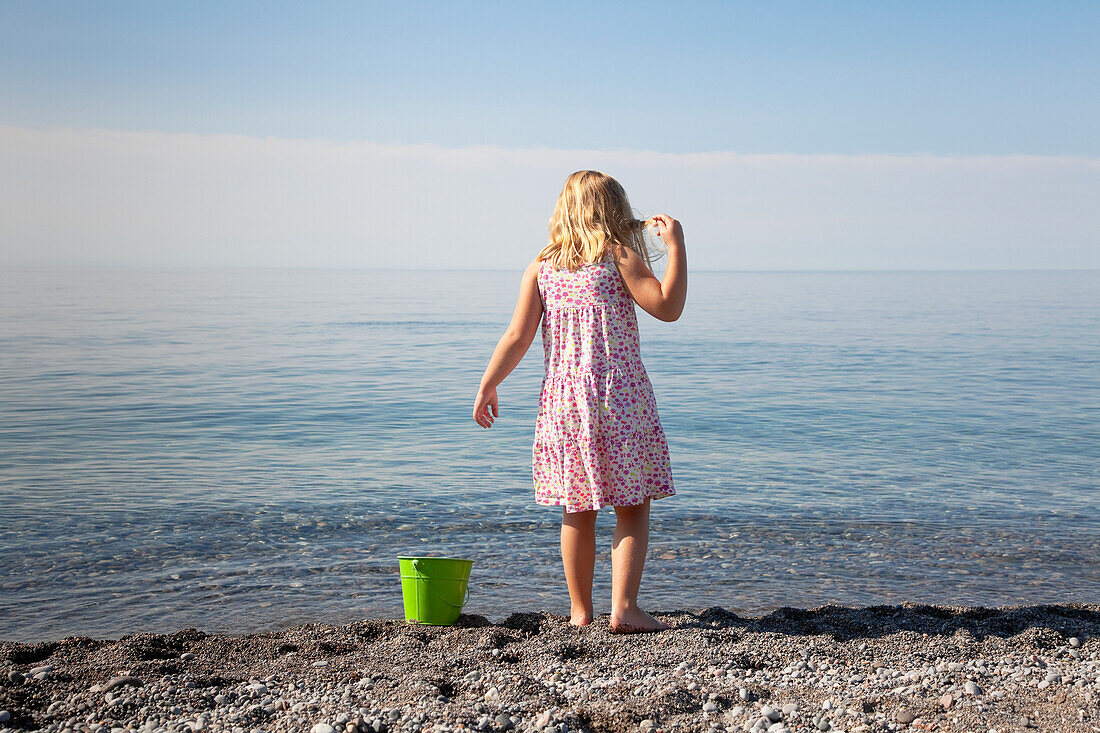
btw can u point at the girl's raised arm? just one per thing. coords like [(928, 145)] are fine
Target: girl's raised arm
[(511, 347), (661, 299)]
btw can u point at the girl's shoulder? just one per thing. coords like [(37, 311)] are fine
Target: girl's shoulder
[(629, 261), (620, 253)]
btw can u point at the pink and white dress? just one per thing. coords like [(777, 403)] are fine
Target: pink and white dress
[(598, 438)]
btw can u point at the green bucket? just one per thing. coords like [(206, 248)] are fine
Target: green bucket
[(434, 588)]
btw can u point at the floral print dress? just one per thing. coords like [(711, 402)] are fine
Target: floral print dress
[(598, 438)]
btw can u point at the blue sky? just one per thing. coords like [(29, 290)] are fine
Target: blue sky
[(768, 77), (845, 102)]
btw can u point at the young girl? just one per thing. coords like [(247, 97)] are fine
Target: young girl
[(598, 438)]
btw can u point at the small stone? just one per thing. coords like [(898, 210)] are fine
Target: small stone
[(14, 676), (322, 728), (187, 656), (744, 694), (40, 670), (824, 724), (646, 725), (770, 713), (709, 707), (1025, 722), (790, 707), (503, 722), (946, 700), (123, 679), (971, 688), (5, 716), (1074, 641), (492, 696), (905, 717), (321, 663)]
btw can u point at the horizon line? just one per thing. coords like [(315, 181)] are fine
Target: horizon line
[(4, 268)]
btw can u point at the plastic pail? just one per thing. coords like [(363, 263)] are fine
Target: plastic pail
[(434, 588)]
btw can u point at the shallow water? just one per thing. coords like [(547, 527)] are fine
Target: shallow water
[(244, 449)]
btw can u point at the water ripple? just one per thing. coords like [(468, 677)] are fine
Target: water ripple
[(234, 450)]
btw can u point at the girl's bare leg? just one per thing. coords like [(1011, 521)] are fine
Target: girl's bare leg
[(628, 551), (578, 554)]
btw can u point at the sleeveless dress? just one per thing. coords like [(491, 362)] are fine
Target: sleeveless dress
[(598, 438)]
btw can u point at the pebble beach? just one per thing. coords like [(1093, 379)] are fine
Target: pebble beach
[(831, 668)]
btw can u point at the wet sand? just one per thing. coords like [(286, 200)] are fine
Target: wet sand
[(878, 668)]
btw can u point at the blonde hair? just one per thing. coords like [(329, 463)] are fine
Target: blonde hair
[(592, 216)]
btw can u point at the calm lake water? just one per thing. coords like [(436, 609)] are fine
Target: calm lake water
[(238, 450)]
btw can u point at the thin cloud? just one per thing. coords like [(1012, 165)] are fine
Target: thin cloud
[(111, 197)]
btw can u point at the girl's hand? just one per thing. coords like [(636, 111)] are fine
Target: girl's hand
[(486, 399), (669, 229)]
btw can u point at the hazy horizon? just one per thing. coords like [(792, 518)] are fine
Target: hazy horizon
[(657, 268)]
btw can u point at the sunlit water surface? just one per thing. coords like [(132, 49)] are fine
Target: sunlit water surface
[(237, 450)]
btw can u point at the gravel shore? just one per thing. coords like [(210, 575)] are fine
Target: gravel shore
[(833, 668)]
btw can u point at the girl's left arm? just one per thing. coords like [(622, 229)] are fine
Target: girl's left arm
[(511, 347)]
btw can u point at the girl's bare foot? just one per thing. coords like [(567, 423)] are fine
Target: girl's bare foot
[(580, 617), (635, 621)]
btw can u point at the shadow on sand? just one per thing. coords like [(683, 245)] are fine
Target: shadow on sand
[(1048, 624)]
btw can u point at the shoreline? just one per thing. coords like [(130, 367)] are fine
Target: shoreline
[(829, 668)]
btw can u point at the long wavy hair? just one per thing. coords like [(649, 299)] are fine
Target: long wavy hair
[(592, 216)]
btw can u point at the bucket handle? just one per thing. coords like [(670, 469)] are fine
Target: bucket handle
[(416, 568)]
